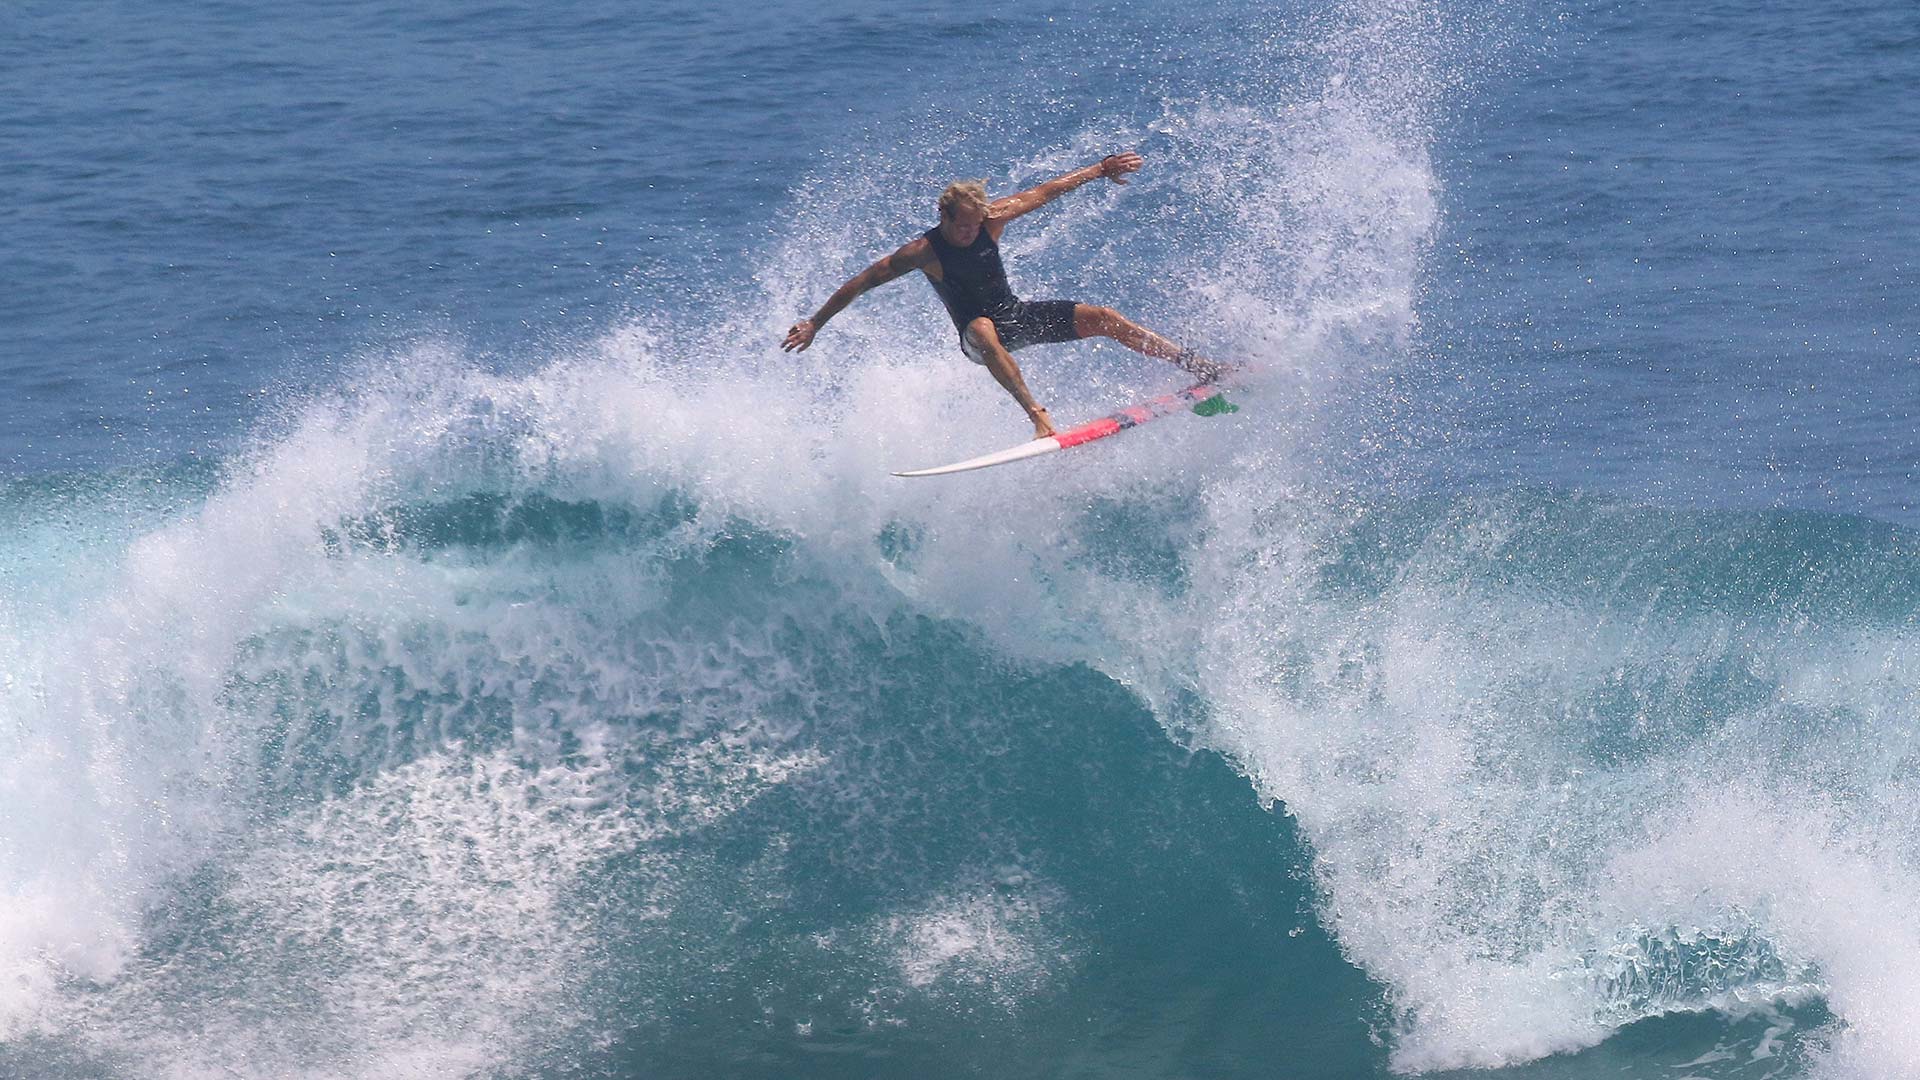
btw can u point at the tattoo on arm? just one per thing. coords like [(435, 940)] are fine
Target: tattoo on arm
[(909, 258)]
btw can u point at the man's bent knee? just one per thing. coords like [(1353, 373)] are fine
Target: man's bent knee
[(983, 333), (981, 340), (1092, 321)]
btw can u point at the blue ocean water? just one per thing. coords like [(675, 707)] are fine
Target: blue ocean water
[(442, 635)]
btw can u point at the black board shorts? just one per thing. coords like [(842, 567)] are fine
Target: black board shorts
[(1039, 322)]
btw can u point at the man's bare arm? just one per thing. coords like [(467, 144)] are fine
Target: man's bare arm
[(912, 256), (1114, 167)]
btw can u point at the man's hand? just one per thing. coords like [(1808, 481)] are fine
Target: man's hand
[(800, 336), (1115, 167)]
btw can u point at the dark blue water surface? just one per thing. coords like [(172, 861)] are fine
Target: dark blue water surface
[(1682, 255), (442, 635)]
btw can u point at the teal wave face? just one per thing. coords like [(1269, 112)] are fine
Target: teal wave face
[(681, 805)]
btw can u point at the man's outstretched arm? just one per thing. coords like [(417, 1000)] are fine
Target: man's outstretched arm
[(1114, 167), (912, 256)]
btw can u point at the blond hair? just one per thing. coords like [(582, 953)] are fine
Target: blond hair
[(971, 194)]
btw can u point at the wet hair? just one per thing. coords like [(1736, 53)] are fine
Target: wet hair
[(964, 193)]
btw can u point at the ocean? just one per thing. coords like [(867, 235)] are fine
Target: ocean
[(443, 635)]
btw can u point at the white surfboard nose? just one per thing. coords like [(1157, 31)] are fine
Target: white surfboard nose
[(1031, 448)]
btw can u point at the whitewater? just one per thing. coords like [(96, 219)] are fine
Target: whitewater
[(570, 696)]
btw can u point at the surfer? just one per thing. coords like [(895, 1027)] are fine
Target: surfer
[(961, 257)]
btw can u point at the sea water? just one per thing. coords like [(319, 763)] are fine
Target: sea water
[(441, 635)]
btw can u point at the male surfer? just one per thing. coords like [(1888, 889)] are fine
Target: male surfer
[(961, 257)]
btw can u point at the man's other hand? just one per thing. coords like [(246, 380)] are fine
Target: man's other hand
[(800, 336), (1115, 167)]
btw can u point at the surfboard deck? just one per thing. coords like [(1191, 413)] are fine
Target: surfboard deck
[(1091, 431)]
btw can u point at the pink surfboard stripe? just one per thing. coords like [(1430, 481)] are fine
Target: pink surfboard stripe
[(1135, 415), (1085, 433)]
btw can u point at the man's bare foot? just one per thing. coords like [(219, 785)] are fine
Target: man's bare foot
[(1205, 370), (1042, 424)]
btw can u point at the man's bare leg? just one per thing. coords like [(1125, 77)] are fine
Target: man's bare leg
[(1007, 373), (1090, 321)]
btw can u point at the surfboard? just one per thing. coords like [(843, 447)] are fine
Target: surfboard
[(1091, 431)]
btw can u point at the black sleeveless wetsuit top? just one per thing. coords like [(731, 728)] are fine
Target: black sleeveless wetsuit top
[(973, 280)]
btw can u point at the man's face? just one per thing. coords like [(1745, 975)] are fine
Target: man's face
[(961, 224)]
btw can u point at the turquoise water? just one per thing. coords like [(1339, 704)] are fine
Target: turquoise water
[(442, 635)]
